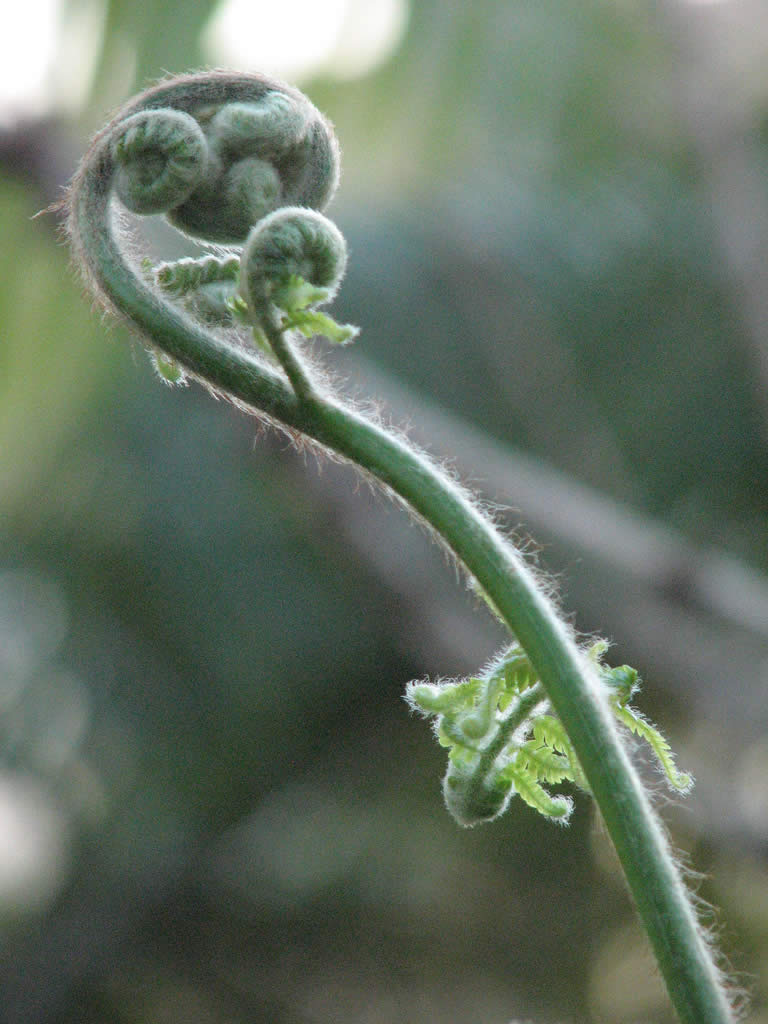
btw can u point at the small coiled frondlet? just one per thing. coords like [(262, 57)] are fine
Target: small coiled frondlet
[(291, 243)]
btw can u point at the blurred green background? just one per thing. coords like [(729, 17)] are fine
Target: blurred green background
[(214, 806)]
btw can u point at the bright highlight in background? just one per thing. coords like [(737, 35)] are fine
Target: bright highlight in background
[(34, 850), (48, 52), (48, 49), (295, 39), (27, 49)]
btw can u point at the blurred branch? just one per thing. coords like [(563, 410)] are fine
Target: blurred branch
[(649, 552), (695, 618), (718, 44)]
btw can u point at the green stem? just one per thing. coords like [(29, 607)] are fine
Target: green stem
[(525, 704), (570, 681), (294, 366), (575, 692)]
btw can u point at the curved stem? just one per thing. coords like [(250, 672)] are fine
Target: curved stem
[(525, 704), (572, 686), (295, 368), (570, 681)]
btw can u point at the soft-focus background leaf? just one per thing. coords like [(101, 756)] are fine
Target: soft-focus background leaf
[(214, 806)]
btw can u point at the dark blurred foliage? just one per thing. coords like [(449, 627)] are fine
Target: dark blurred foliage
[(214, 807)]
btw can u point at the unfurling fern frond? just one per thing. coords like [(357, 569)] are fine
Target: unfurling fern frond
[(242, 160), (558, 808), (549, 732), (187, 275), (503, 737), (641, 727), (623, 683), (543, 763)]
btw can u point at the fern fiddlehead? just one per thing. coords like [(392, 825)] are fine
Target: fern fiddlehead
[(241, 160), (217, 157)]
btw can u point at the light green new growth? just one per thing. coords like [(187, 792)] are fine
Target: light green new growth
[(296, 299), (244, 161), (502, 741), (188, 274), (209, 287)]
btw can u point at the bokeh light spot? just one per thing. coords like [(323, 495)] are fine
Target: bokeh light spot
[(299, 38)]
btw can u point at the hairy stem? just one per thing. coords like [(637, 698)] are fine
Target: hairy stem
[(569, 679), (574, 690), (525, 704), (296, 370)]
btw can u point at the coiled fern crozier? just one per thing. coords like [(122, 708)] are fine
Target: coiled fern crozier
[(246, 163)]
